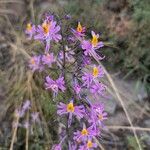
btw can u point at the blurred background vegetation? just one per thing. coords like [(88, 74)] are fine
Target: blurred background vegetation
[(124, 26)]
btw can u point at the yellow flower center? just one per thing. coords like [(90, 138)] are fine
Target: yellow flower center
[(95, 71), (70, 107), (48, 56), (79, 28), (29, 27), (89, 144), (94, 40), (46, 27), (84, 132), (32, 61), (100, 117)]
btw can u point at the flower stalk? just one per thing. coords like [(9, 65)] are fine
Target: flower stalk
[(78, 77)]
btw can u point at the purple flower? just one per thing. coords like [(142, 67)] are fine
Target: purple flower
[(77, 88), (71, 39), (55, 85), (97, 71), (71, 110), (48, 59), (26, 125), (19, 112), (86, 61), (84, 134), (87, 79), (97, 88), (79, 31), (87, 46), (30, 30), (60, 82), (35, 116), (101, 115), (90, 47), (34, 63), (72, 146), (56, 147), (89, 145), (26, 105), (47, 32), (98, 116), (48, 17)]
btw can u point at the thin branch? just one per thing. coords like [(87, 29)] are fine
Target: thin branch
[(27, 133), (31, 6), (64, 54), (8, 12), (12, 1), (14, 133), (99, 144), (128, 128)]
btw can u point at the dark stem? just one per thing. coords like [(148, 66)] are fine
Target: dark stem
[(64, 57)]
